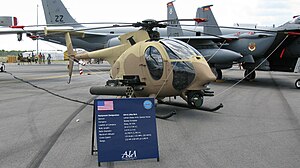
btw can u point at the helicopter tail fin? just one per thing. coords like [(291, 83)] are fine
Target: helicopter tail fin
[(211, 26), (56, 13), (175, 29)]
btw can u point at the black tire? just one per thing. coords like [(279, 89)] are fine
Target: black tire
[(195, 100), (297, 84), (217, 73), (250, 76), (253, 75)]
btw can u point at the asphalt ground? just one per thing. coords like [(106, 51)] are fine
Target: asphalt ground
[(44, 122)]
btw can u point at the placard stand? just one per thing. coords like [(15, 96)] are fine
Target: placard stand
[(124, 128), (93, 147)]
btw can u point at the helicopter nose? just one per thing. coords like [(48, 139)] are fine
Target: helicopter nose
[(203, 75)]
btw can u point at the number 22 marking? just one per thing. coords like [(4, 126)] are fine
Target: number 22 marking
[(59, 18)]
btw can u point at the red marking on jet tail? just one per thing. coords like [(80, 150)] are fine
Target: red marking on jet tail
[(206, 9), (15, 21), (170, 4), (199, 20)]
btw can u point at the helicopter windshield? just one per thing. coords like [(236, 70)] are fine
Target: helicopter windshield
[(183, 71), (180, 50)]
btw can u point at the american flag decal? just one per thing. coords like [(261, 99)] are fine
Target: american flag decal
[(105, 105)]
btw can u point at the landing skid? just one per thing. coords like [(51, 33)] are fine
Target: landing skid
[(165, 116), (192, 107)]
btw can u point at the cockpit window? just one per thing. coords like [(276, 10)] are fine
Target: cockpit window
[(178, 49), (296, 20), (154, 62), (183, 71)]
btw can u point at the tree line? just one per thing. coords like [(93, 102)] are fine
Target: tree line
[(4, 53)]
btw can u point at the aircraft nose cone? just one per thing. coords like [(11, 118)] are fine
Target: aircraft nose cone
[(221, 56), (231, 55)]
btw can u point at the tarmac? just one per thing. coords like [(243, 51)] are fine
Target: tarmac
[(46, 123)]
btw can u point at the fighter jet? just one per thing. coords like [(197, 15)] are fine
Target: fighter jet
[(275, 49), (272, 49), (218, 58), (56, 13), (58, 18)]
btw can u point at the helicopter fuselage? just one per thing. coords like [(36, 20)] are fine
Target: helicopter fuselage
[(163, 71)]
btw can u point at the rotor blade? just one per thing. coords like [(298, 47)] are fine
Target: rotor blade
[(145, 24), (184, 20), (218, 36), (85, 29), (237, 28), (111, 23), (103, 27), (242, 28), (74, 24)]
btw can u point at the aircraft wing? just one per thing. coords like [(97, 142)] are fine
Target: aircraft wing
[(207, 37), (83, 38), (4, 31), (50, 31), (23, 29)]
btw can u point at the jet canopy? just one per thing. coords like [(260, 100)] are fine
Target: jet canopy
[(296, 20)]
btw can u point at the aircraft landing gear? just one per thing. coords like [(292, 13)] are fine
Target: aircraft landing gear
[(249, 74), (2, 68), (195, 99), (217, 73), (178, 104), (297, 83)]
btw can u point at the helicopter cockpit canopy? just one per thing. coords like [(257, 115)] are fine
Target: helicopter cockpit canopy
[(180, 53), (183, 71), (180, 50)]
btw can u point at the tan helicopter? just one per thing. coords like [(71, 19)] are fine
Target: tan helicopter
[(143, 65)]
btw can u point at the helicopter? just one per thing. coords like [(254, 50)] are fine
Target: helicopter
[(145, 65)]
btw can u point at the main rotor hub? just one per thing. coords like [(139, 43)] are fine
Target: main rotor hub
[(149, 24)]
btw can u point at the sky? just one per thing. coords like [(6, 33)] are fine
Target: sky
[(227, 13)]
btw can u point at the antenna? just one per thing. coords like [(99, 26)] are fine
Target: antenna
[(37, 25)]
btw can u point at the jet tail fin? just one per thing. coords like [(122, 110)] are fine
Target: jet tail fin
[(175, 29), (211, 26), (56, 13), (8, 21)]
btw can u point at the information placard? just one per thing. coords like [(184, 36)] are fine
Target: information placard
[(126, 129)]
